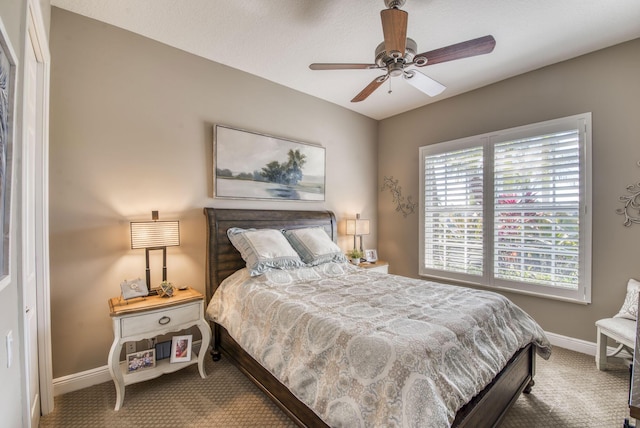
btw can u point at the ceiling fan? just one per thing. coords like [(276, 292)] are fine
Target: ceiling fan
[(398, 52)]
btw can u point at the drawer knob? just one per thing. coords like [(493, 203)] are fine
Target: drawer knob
[(164, 320)]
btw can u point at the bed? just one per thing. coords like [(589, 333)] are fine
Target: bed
[(485, 409)]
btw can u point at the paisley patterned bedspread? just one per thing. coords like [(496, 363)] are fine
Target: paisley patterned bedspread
[(366, 349)]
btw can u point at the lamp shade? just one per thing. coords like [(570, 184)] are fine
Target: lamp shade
[(357, 226), (362, 227), (155, 234)]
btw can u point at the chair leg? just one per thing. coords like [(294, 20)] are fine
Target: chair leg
[(601, 350)]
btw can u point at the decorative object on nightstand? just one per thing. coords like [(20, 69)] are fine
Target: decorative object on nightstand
[(155, 235), (357, 227), (355, 256), (377, 266), (133, 288), (148, 318), (166, 289)]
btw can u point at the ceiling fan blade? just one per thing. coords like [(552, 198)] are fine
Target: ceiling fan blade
[(394, 27), (370, 88), (479, 46), (337, 66), (424, 83)]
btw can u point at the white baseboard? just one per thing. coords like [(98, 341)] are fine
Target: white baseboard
[(572, 344), (579, 345), (77, 381)]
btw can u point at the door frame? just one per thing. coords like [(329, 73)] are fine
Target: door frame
[(37, 39)]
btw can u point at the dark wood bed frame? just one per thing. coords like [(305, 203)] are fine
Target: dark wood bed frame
[(484, 410)]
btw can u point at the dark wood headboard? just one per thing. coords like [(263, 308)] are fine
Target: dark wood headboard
[(223, 259)]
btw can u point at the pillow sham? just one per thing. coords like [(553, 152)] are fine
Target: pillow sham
[(264, 249), (629, 308), (314, 246)]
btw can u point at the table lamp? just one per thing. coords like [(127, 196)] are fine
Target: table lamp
[(357, 227), (155, 235)]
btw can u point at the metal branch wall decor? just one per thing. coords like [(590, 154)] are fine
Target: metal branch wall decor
[(405, 208), (631, 210)]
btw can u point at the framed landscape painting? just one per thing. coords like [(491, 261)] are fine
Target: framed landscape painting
[(7, 112), (248, 165)]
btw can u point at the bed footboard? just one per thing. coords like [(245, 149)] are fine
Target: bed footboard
[(485, 410)]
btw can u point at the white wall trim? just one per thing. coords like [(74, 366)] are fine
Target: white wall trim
[(77, 381), (576, 345), (572, 344)]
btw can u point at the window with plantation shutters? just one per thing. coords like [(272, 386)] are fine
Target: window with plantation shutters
[(510, 209), (453, 211)]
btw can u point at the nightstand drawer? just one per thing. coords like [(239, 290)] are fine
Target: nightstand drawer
[(150, 322), (378, 266)]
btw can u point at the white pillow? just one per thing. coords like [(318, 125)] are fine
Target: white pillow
[(264, 249), (629, 308), (314, 246)]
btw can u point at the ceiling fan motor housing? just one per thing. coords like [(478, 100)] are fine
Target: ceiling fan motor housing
[(397, 4), (384, 60)]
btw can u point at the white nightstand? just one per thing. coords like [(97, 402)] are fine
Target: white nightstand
[(151, 316), (379, 266)]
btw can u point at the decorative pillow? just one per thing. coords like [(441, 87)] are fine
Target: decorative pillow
[(314, 246), (629, 308), (264, 249)]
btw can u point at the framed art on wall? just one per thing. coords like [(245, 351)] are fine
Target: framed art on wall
[(248, 165), (7, 127)]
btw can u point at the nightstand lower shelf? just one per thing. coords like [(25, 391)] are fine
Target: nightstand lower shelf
[(162, 367)]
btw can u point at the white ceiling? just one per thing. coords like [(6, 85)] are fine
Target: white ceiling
[(278, 39)]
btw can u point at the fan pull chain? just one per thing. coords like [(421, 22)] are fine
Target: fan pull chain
[(389, 91)]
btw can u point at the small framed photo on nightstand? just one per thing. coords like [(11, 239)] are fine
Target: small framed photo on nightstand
[(137, 361), (371, 255), (181, 348)]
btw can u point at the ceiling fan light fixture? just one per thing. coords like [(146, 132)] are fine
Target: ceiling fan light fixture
[(396, 69)]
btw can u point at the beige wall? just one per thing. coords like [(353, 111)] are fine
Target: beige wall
[(131, 131), (605, 83)]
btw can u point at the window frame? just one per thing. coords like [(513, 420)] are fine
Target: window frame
[(581, 122)]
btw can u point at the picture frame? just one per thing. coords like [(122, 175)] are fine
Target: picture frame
[(8, 70), (181, 348), (371, 255), (163, 350), (250, 165), (141, 360)]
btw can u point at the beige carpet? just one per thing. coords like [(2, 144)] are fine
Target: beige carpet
[(569, 392)]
